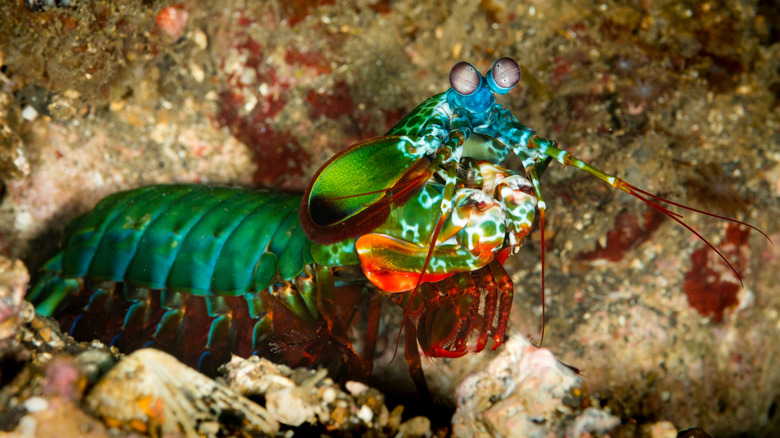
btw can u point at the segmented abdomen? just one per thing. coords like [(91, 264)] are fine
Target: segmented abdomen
[(185, 268), (201, 240)]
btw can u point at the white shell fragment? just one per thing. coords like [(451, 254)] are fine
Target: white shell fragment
[(308, 397), (524, 392), (152, 390)]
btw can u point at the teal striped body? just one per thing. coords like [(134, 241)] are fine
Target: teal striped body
[(198, 240), (188, 269)]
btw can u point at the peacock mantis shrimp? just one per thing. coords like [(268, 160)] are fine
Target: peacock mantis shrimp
[(425, 215)]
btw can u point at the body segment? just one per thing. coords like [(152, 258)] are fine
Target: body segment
[(182, 266)]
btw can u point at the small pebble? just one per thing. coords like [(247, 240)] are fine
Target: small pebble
[(29, 113), (356, 388), (287, 407), (208, 428), (329, 395), (365, 414), (662, 429), (36, 404), (417, 426)]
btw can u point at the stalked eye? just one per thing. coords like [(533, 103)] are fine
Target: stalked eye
[(504, 75), (464, 78)]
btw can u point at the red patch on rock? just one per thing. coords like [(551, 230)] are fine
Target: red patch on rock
[(381, 6), (296, 10), (331, 104), (308, 58), (626, 234), (280, 158), (710, 285), (338, 101)]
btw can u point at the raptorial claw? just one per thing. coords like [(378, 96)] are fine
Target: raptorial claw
[(460, 314)]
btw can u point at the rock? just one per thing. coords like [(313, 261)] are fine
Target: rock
[(151, 392), (525, 391), (298, 397), (14, 311)]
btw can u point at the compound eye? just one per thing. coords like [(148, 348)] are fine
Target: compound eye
[(505, 74), (465, 78)]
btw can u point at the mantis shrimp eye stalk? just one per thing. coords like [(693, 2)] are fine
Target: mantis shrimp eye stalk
[(504, 75), (464, 78)]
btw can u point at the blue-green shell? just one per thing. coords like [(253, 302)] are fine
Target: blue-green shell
[(198, 240), (178, 265)]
